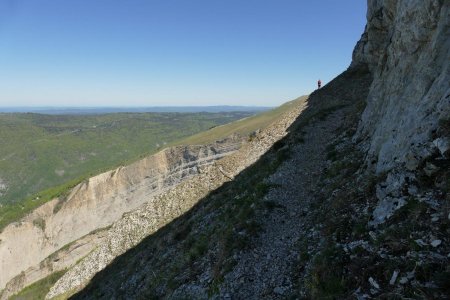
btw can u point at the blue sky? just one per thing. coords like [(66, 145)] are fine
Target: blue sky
[(172, 52)]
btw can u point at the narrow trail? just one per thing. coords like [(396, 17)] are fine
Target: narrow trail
[(266, 270)]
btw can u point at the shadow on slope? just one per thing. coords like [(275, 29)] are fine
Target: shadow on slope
[(209, 236)]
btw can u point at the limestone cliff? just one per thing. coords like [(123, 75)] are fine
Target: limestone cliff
[(406, 45), (96, 203)]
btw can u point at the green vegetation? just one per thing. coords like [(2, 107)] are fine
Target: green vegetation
[(39, 289), (39, 223), (45, 156), (327, 280)]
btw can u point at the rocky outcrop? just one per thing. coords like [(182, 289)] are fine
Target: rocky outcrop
[(164, 208), (96, 203), (406, 46)]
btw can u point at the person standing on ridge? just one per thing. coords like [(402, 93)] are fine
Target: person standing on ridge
[(319, 84)]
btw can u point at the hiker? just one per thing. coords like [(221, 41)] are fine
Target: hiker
[(319, 84)]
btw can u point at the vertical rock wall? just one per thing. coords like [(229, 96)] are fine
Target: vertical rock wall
[(406, 46)]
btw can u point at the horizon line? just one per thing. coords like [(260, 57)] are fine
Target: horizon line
[(131, 106)]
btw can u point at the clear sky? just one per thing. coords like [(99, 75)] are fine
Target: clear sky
[(172, 52)]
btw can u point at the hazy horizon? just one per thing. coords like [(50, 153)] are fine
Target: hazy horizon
[(89, 110), (127, 106)]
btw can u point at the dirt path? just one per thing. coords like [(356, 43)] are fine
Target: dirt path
[(266, 270)]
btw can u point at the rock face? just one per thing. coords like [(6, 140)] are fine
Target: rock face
[(406, 46), (57, 261), (97, 203), (164, 208)]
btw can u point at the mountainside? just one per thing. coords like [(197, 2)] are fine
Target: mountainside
[(69, 227), (254, 217), (345, 195), (352, 203), (163, 209)]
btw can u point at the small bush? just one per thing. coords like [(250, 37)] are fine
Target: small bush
[(39, 289), (39, 223)]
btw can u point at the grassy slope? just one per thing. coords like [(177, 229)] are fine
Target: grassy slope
[(243, 127), (43, 156), (39, 289)]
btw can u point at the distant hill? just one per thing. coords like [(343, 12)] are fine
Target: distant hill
[(106, 110)]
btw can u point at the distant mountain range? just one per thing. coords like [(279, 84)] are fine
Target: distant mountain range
[(103, 110)]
